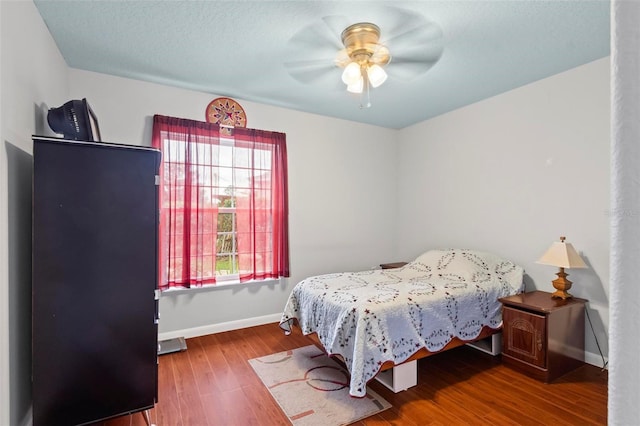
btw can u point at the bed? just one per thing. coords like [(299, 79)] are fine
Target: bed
[(385, 317)]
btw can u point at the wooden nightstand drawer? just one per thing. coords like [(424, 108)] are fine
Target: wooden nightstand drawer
[(525, 336), (541, 336)]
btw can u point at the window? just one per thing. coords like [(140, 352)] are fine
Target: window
[(223, 203)]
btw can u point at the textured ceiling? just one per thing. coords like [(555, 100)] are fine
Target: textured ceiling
[(239, 48)]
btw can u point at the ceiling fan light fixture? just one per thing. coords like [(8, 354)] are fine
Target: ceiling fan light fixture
[(351, 74), (376, 75), (357, 86), (362, 57)]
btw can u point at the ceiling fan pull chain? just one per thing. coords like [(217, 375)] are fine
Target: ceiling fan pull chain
[(365, 98)]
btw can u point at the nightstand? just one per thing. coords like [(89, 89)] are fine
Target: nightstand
[(541, 336), (392, 265)]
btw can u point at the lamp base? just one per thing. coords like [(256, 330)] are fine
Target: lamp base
[(561, 284), (561, 294)]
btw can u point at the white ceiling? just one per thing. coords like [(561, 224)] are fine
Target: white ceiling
[(239, 48)]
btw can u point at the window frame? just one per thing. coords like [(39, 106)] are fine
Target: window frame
[(234, 253)]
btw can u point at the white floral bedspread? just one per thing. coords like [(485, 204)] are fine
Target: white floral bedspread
[(387, 315)]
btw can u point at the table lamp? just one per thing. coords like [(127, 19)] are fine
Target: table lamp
[(562, 255)]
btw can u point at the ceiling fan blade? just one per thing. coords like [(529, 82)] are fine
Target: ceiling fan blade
[(427, 59), (415, 51), (408, 70), (336, 24), (312, 51), (316, 71), (429, 53), (410, 67), (395, 20), (316, 40), (427, 34)]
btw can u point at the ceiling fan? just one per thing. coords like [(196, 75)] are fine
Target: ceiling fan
[(362, 57), (402, 45)]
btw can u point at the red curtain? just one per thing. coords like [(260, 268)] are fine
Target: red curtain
[(262, 207), (191, 191), (188, 200)]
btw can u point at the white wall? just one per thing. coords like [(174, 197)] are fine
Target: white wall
[(513, 173), (33, 78), (341, 194)]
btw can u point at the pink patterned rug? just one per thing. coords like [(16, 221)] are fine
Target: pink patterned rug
[(312, 389)]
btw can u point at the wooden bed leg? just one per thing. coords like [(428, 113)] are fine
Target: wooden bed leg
[(401, 377)]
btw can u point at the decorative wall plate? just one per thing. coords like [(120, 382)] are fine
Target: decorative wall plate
[(227, 112)]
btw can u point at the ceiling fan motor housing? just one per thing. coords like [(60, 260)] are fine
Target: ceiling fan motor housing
[(361, 42)]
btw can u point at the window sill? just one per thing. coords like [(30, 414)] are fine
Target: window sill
[(221, 285)]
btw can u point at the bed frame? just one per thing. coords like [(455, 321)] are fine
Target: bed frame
[(399, 377)]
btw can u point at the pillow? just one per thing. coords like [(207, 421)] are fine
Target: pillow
[(473, 266)]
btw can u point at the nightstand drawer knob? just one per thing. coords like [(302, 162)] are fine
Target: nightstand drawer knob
[(539, 342)]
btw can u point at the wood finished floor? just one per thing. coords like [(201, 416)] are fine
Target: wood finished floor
[(212, 384)]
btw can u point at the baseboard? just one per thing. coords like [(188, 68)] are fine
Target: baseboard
[(220, 327), (594, 359)]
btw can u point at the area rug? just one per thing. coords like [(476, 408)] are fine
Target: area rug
[(312, 389)]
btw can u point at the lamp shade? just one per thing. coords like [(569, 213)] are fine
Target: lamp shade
[(376, 75), (357, 86), (563, 255), (351, 74)]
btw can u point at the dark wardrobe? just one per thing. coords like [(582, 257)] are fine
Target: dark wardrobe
[(95, 299)]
